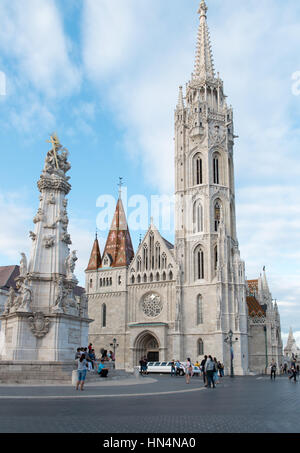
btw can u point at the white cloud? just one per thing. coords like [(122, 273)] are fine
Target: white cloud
[(32, 35)]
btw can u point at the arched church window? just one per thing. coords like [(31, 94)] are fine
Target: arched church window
[(152, 250), (157, 255), (145, 278), (132, 279), (164, 276), (100, 282), (170, 275), (199, 263), (198, 217), (103, 315), (216, 170), (200, 347), (151, 277), (110, 281), (145, 257), (91, 283), (197, 170), (216, 258), (157, 277), (199, 310), (164, 261), (217, 216), (139, 278), (139, 264)]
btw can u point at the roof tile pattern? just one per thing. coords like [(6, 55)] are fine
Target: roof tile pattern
[(95, 259), (118, 245), (254, 307)]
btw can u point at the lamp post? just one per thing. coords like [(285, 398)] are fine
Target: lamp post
[(115, 346), (230, 341)]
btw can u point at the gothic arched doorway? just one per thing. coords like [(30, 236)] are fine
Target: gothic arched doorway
[(146, 344)]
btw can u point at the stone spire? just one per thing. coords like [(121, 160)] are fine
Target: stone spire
[(265, 281), (180, 105), (95, 259), (204, 66), (118, 246)]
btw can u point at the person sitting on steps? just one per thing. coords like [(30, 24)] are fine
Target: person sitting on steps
[(102, 371)]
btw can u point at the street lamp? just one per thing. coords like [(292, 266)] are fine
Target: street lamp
[(115, 346), (230, 341)]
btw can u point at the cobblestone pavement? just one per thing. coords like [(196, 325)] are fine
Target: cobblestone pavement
[(159, 405)]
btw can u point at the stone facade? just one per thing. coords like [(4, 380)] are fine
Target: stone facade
[(181, 301), (264, 327)]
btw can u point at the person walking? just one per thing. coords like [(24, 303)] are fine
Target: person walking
[(177, 366), (173, 368), (188, 370), (210, 369), (294, 374), (273, 367), (81, 371), (216, 376), (203, 369)]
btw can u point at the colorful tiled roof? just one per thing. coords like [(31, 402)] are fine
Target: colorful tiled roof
[(253, 286), (118, 245), (95, 259), (254, 307)]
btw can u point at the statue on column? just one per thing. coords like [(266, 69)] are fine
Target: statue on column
[(23, 265), (26, 297), (59, 307), (70, 265), (10, 301)]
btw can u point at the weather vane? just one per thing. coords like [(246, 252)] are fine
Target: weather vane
[(120, 186)]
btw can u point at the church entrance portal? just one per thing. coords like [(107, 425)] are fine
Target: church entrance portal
[(146, 345)]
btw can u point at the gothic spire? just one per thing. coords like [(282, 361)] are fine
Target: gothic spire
[(118, 245), (95, 259), (204, 66), (180, 104)]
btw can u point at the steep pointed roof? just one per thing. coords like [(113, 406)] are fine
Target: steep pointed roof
[(118, 245), (95, 259), (204, 66), (8, 275)]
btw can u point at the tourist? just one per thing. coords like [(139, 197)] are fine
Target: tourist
[(143, 365), (210, 369), (178, 367), (188, 370), (109, 356), (78, 354), (203, 364), (113, 357), (285, 368), (216, 375), (92, 357), (221, 369), (81, 371), (173, 368), (90, 347), (294, 374), (273, 367), (102, 370), (298, 370)]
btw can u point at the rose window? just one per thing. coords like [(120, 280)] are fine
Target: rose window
[(152, 305)]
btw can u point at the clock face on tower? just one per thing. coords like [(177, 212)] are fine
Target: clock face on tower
[(152, 305)]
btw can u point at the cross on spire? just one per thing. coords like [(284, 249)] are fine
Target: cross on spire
[(120, 186), (204, 66)]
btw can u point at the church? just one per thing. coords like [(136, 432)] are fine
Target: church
[(176, 301)]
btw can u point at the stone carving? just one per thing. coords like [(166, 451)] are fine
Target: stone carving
[(65, 203), (25, 298), (83, 310), (51, 227), (23, 265), (10, 301), (152, 305), (32, 235), (51, 199), (70, 264), (39, 324), (39, 216), (63, 219), (66, 238), (57, 158), (60, 301), (49, 241)]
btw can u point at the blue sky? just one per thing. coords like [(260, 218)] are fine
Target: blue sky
[(104, 74)]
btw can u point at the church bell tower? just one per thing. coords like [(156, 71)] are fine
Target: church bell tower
[(207, 251)]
